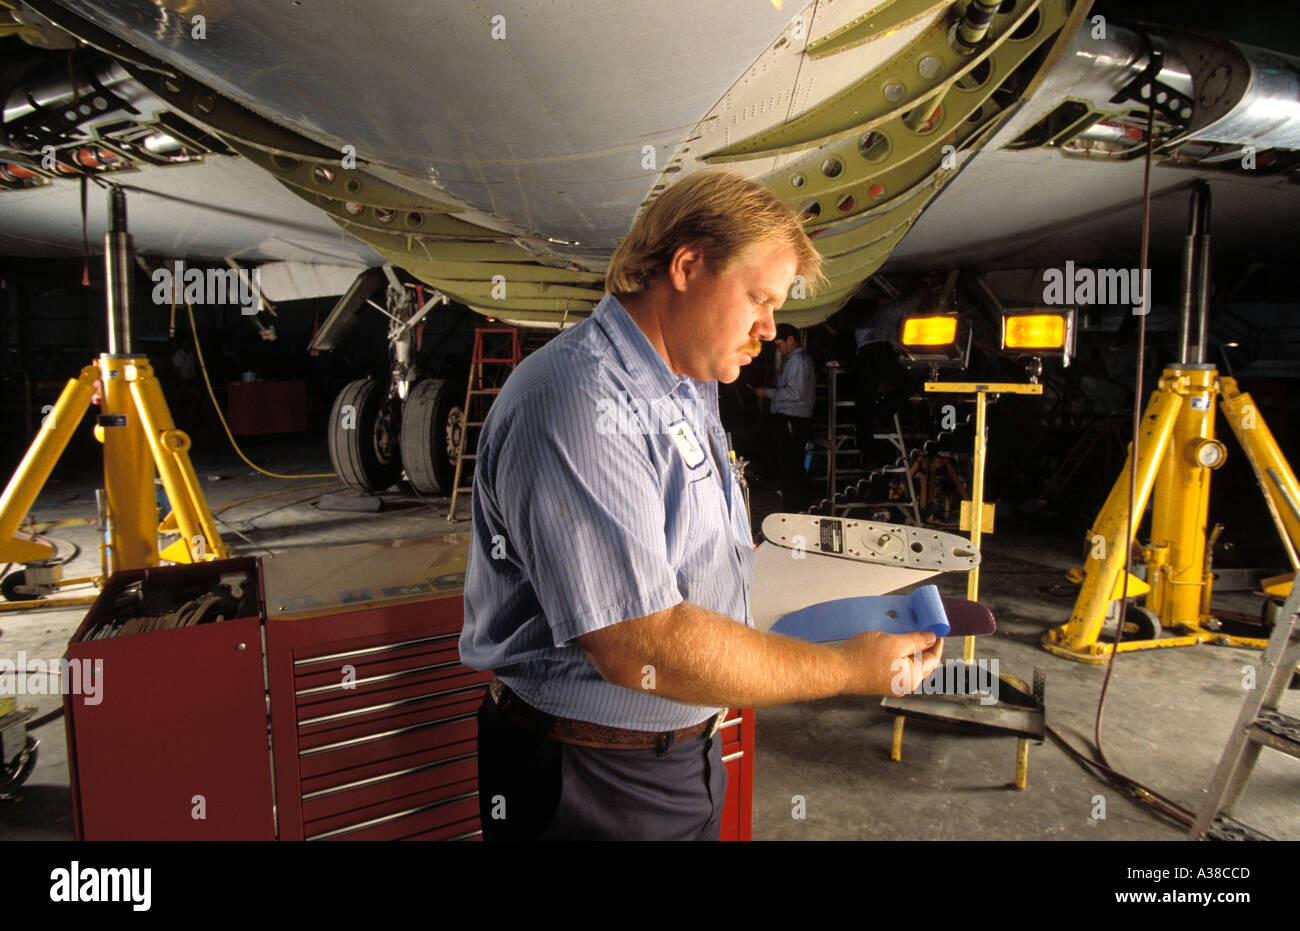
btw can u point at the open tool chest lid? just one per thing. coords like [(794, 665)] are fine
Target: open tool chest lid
[(175, 595)]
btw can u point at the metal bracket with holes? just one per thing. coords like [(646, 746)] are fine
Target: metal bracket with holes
[(872, 542)]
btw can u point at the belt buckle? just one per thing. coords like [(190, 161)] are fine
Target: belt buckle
[(717, 722)]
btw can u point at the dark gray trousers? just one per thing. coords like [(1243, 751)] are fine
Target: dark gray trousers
[(535, 788)]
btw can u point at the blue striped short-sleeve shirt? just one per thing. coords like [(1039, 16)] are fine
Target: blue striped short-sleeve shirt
[(602, 492)]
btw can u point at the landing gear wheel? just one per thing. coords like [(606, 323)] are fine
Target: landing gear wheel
[(363, 437), (1142, 623), (430, 429), (10, 584)]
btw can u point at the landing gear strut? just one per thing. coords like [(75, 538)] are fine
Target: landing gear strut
[(410, 423)]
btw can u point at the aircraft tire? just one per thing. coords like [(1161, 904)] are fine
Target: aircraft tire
[(430, 426), (364, 461)]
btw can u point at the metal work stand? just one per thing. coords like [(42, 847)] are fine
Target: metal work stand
[(1019, 709), (139, 436)]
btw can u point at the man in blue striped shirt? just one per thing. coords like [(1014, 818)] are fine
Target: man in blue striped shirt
[(611, 558)]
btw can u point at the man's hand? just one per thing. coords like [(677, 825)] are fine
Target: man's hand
[(761, 392), (886, 664)]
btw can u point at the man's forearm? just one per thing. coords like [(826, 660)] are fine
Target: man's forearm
[(698, 657)]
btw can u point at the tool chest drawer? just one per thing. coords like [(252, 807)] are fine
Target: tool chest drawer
[(374, 722)]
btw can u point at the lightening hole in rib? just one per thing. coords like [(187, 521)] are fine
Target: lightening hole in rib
[(1027, 28), (976, 76), (873, 146)]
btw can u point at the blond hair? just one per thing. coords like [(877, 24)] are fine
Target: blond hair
[(718, 212)]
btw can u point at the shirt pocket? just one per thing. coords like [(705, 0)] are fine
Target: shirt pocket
[(706, 535)]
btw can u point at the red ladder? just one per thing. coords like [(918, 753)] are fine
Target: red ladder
[(503, 345)]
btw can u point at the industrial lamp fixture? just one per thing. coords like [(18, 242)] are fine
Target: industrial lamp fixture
[(936, 340), (1038, 333)]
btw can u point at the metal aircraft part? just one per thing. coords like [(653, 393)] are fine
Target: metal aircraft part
[(220, 207), (784, 583), (503, 174), (511, 201), (871, 542), (1061, 176)]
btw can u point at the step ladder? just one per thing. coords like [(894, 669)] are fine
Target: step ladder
[(495, 355), (841, 431), (1259, 725), (907, 505)]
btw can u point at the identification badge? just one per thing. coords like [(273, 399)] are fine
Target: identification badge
[(687, 444)]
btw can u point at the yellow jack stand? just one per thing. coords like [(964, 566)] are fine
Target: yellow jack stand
[(139, 436), (1176, 453), (1018, 712)]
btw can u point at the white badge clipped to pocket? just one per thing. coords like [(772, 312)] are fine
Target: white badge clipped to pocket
[(687, 444)]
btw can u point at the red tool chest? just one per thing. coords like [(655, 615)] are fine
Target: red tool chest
[(174, 745), (364, 726)]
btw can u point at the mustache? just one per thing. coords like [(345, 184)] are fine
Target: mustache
[(753, 347)]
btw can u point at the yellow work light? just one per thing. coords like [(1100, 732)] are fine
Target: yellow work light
[(935, 340), (1039, 332), (934, 331)]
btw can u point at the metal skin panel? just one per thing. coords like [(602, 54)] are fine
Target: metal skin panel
[(534, 144), (495, 139), (222, 207), (404, 82), (1269, 113)]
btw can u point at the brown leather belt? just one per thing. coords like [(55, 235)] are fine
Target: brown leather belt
[(587, 734)]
